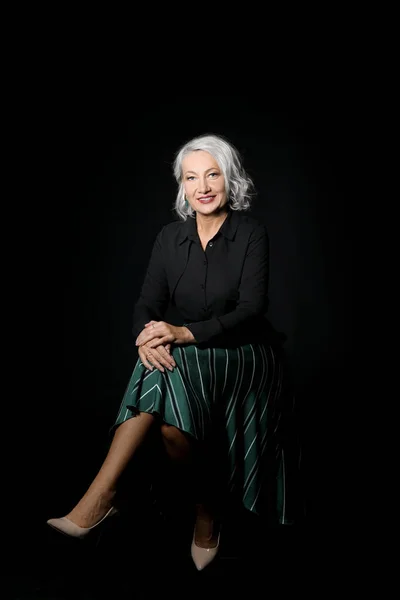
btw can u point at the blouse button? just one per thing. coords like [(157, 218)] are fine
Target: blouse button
[(211, 244)]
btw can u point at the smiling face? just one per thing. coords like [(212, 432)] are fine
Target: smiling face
[(204, 183)]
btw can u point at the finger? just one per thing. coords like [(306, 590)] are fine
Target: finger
[(151, 333), (146, 336), (150, 323), (166, 339), (159, 341), (169, 361), (156, 362), (142, 339), (163, 360), (152, 339), (145, 362), (167, 356), (165, 349)]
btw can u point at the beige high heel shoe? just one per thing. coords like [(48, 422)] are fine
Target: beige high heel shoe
[(203, 556), (67, 527)]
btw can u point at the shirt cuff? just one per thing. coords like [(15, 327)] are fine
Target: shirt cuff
[(203, 331)]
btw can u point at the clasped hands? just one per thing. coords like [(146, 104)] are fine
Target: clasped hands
[(154, 344)]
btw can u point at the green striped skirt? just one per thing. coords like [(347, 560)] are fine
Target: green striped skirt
[(240, 389)]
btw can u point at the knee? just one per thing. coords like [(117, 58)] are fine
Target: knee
[(170, 433), (173, 436)]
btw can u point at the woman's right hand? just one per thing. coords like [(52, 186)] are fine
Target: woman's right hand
[(158, 357)]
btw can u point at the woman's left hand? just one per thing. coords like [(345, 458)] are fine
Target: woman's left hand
[(165, 333)]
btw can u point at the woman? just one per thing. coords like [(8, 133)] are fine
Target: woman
[(212, 381)]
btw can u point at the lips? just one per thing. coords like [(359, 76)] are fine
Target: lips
[(206, 199)]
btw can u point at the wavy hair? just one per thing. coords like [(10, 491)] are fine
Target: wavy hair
[(239, 186)]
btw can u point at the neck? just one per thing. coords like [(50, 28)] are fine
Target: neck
[(207, 224)]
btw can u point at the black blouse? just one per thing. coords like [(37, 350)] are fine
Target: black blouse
[(220, 294)]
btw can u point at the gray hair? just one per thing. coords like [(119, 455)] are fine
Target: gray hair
[(239, 186)]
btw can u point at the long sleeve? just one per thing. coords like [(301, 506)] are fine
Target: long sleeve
[(252, 297), (154, 295)]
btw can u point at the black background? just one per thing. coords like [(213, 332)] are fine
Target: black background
[(108, 192), (101, 188)]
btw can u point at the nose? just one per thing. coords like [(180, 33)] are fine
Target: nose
[(204, 185)]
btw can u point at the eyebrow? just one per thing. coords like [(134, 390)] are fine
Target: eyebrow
[(210, 169)]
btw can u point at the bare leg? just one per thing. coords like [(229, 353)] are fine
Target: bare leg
[(207, 497), (178, 487), (177, 444), (207, 527), (100, 496), (182, 453)]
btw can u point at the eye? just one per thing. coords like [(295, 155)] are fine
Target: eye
[(214, 174), (190, 177)]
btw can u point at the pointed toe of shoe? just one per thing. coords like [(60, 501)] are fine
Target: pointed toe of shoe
[(203, 556), (67, 527)]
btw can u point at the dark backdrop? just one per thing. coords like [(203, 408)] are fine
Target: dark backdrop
[(103, 189)]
